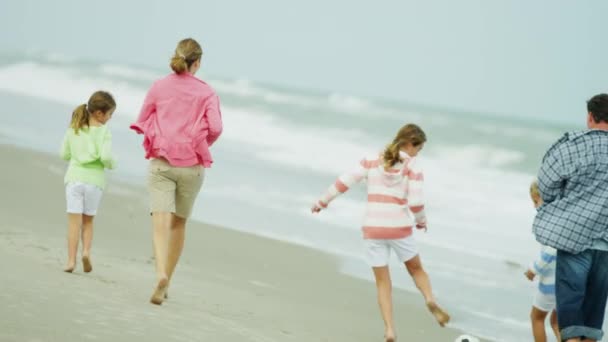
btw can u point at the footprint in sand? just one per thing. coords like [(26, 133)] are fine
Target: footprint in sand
[(90, 336), (262, 284)]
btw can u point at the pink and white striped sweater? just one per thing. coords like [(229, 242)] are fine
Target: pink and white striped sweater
[(394, 197)]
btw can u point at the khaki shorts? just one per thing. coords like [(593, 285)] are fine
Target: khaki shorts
[(173, 189)]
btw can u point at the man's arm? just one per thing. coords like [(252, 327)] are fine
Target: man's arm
[(552, 174)]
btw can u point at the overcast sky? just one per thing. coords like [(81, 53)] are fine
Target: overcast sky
[(537, 58)]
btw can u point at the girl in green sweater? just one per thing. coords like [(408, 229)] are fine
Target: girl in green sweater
[(87, 145)]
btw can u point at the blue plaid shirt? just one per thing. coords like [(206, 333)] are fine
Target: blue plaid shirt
[(573, 182)]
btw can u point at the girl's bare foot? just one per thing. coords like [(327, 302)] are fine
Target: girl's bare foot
[(86, 264), (159, 292), (441, 316), (390, 338)]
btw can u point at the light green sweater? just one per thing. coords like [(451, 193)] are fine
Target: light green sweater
[(89, 153)]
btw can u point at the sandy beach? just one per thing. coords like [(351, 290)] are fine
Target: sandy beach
[(229, 286)]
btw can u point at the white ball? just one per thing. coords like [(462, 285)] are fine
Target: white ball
[(466, 338)]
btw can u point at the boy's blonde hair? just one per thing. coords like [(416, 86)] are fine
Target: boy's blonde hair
[(534, 192)]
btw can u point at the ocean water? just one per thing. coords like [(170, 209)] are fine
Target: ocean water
[(282, 148)]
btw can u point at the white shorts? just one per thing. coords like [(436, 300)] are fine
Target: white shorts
[(379, 251), (82, 198), (544, 302)]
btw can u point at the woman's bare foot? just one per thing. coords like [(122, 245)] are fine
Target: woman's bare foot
[(159, 292), (389, 336), (86, 264), (441, 316), (70, 267)]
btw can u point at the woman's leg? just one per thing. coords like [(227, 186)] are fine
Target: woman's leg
[(423, 283), (188, 184), (87, 239), (160, 236), (74, 224), (384, 286), (176, 243), (537, 317)]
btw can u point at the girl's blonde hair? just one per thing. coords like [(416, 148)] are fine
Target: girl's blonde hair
[(534, 192), (100, 100), (409, 133), (187, 52)]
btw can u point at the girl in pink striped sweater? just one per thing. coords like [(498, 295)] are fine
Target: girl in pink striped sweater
[(394, 206)]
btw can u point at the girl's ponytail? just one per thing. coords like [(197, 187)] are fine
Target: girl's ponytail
[(391, 154), (99, 101), (408, 134), (80, 118)]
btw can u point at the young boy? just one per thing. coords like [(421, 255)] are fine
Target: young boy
[(544, 268)]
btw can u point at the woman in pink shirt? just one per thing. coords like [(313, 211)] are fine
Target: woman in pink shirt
[(180, 119)]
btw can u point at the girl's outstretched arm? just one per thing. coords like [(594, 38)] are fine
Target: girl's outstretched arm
[(343, 183)]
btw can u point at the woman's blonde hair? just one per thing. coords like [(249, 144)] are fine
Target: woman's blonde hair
[(534, 192), (187, 52), (100, 100), (409, 133)]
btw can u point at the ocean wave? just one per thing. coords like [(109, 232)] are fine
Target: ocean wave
[(535, 134), (123, 71), (479, 155), (349, 103), (67, 86)]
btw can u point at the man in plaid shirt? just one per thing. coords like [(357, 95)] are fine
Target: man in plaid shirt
[(573, 182)]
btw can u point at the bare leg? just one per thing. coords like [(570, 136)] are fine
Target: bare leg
[(160, 223), (554, 325), (537, 317), (87, 240), (74, 223), (176, 243), (423, 283), (384, 287)]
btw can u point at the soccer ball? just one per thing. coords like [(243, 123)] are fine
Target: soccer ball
[(466, 338)]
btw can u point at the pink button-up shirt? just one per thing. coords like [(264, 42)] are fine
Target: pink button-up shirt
[(180, 120)]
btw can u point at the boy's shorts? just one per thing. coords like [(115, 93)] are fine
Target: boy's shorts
[(82, 198), (378, 251), (174, 189), (544, 302)]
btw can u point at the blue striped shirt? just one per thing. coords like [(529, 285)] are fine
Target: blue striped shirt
[(544, 268)]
